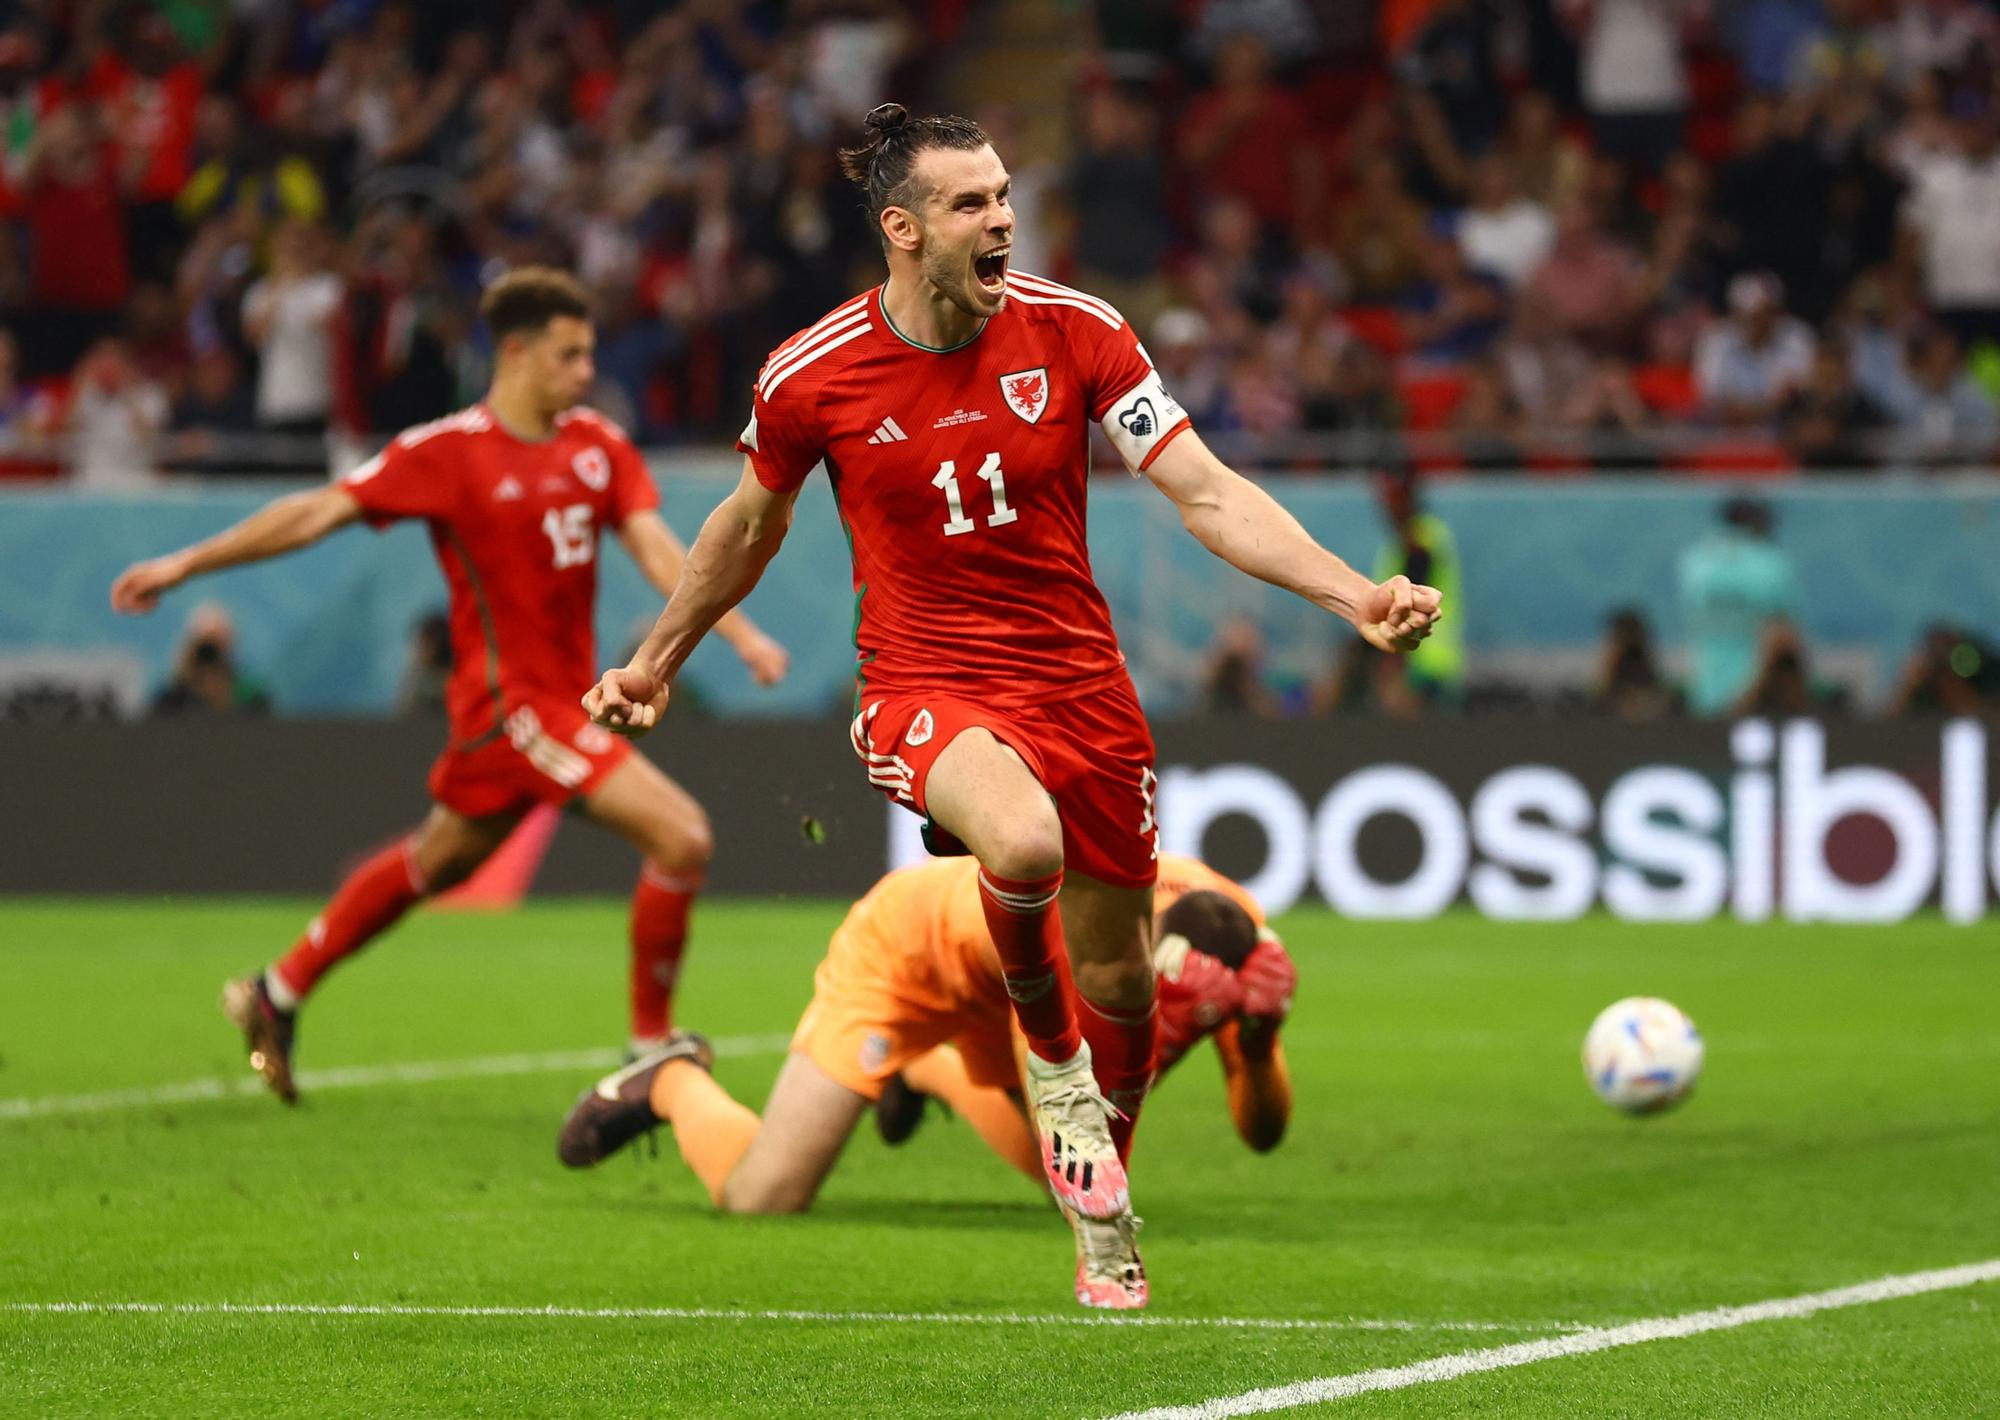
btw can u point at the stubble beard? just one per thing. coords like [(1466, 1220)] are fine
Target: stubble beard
[(950, 280)]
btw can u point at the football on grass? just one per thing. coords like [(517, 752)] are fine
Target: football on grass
[(1642, 1054)]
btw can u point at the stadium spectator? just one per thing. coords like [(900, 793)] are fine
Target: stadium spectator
[(1942, 413), (147, 92), (1239, 268), (1879, 318), (1592, 284), (1420, 541), (1364, 681), (1848, 53), (1548, 163), (1634, 77), (1246, 137), (1287, 29), (1827, 421), (1116, 191), (1308, 321), (1180, 342), (1950, 673), (680, 160), (81, 269), (1769, 193), (1949, 227), (1349, 391), (243, 170), (1378, 234), (207, 679), (24, 412), (1501, 231), (1454, 314), (1232, 681), (1733, 584), (114, 419), (214, 405), (1929, 37), (1768, 36), (401, 329), (1748, 366), (288, 319), (1488, 426), (1629, 683), (1452, 68), (1783, 684)]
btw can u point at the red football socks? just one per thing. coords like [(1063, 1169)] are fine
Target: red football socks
[(1121, 1056), (660, 905), (374, 896), (1027, 932)]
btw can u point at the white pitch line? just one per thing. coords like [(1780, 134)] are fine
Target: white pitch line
[(356, 1077), (572, 1313), (1580, 1343)]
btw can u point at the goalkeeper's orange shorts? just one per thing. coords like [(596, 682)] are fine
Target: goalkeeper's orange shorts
[(893, 986)]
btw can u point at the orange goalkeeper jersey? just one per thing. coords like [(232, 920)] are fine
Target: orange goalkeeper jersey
[(917, 946)]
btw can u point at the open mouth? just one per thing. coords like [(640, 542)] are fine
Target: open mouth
[(990, 270)]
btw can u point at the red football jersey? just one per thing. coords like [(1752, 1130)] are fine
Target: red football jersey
[(961, 478), (515, 526)]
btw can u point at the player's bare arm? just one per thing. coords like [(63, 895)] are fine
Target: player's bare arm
[(661, 555), (283, 525), (729, 555), (1247, 528)]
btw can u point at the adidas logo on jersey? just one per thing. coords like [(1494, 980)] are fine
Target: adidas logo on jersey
[(507, 489), (887, 432)]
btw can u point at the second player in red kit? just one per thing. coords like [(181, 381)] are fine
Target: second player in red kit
[(953, 409), (516, 492)]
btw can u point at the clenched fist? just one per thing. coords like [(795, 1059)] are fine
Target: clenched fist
[(1398, 614), (627, 701)]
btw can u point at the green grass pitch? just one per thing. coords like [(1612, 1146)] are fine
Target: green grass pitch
[(1447, 1166)]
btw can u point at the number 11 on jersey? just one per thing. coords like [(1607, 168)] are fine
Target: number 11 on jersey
[(947, 479)]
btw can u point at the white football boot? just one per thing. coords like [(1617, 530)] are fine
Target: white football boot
[(1109, 1274), (1073, 1124)]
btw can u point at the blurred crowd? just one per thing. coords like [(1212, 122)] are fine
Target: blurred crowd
[(1561, 234), (231, 228), (1554, 234)]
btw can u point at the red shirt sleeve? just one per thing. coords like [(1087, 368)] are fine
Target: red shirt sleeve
[(783, 437), (1125, 393), (632, 489), (405, 480)]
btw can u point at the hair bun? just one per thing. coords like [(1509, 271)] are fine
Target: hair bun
[(887, 118)]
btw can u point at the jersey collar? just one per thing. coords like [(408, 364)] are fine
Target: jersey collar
[(882, 306)]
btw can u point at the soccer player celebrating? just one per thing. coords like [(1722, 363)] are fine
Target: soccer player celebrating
[(911, 968), (952, 408), (515, 490)]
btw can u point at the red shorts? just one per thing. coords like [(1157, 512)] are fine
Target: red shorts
[(546, 752), (1093, 753)]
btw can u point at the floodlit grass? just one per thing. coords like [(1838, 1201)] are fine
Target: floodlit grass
[(1446, 1165)]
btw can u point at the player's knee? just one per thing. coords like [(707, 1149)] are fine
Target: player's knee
[(685, 843), (444, 860), (1027, 847)]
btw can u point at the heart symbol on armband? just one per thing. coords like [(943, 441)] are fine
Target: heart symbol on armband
[(1139, 421)]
